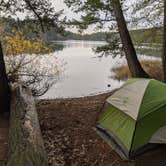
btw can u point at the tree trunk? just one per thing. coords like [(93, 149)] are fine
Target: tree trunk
[(4, 86), (26, 147), (130, 52), (164, 45)]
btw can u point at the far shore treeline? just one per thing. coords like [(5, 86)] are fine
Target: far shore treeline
[(151, 35)]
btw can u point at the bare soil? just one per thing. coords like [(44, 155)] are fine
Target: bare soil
[(70, 139), (68, 131)]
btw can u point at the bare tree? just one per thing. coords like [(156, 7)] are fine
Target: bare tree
[(40, 9), (35, 71)]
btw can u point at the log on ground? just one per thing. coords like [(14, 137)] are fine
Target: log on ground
[(26, 146)]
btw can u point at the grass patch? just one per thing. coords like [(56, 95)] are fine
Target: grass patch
[(152, 67)]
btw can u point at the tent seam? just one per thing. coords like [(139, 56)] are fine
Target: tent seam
[(137, 118), (143, 99)]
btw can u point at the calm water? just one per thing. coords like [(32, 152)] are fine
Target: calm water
[(85, 73)]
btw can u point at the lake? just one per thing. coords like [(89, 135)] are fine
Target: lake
[(85, 73)]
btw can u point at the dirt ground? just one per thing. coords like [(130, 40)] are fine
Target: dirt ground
[(70, 139), (68, 131)]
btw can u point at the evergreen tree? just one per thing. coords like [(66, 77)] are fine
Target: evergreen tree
[(108, 12)]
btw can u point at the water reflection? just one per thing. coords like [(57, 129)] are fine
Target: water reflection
[(78, 44), (84, 74)]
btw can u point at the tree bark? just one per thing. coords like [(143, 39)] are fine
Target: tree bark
[(4, 85), (164, 44), (130, 52), (26, 147)]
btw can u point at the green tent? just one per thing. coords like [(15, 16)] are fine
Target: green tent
[(135, 116)]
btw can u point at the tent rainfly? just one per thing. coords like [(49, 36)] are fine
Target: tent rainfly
[(134, 118)]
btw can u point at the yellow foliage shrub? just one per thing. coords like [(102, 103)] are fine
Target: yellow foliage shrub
[(17, 45)]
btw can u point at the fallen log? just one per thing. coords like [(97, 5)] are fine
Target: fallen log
[(26, 146)]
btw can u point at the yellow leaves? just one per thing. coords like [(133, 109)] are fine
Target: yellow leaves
[(18, 45)]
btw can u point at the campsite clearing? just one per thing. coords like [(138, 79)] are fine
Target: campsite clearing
[(70, 140), (67, 127)]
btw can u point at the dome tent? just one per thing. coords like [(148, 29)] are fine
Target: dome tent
[(135, 117)]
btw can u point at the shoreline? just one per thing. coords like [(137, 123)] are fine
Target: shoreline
[(152, 66), (77, 97)]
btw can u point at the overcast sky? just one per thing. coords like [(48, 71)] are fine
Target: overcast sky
[(59, 5)]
